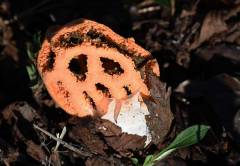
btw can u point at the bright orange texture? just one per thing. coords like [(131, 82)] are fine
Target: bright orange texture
[(85, 64)]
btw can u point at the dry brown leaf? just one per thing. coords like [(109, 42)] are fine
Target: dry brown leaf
[(20, 116), (126, 143), (121, 142), (213, 24), (160, 124), (87, 135), (35, 151), (102, 161), (191, 12)]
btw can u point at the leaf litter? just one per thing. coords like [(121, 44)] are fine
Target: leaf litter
[(197, 49)]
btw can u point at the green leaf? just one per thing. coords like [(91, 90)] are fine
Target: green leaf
[(36, 41), (148, 161), (164, 2), (188, 137), (135, 161), (31, 50), (31, 72)]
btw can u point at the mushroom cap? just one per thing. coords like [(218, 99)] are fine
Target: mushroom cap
[(84, 65)]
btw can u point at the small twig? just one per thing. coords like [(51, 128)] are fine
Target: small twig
[(65, 144), (60, 137)]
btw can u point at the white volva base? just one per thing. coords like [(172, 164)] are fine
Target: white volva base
[(131, 118)]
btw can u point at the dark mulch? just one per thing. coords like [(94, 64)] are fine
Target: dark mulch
[(197, 46)]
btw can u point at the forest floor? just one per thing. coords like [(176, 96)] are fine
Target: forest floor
[(196, 44)]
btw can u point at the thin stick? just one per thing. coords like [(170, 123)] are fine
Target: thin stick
[(65, 144), (60, 137)]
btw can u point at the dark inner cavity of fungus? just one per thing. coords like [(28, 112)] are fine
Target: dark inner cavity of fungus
[(50, 62), (111, 67), (71, 39), (89, 100), (78, 66), (127, 89), (103, 89)]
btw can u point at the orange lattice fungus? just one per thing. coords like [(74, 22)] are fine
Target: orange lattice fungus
[(85, 65)]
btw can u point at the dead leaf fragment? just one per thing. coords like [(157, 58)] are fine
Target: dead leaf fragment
[(102, 161), (213, 23), (126, 143), (20, 116), (88, 136), (160, 119), (121, 142), (35, 151)]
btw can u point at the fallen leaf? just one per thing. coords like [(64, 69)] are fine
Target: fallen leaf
[(102, 161), (87, 135), (20, 118), (160, 118), (35, 151), (125, 144), (213, 24), (121, 142)]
